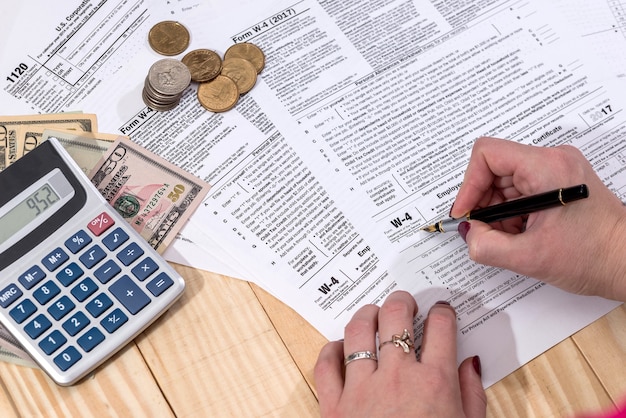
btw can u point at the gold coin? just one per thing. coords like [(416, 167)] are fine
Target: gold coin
[(204, 64), (241, 71), (249, 52), (218, 95), (168, 38)]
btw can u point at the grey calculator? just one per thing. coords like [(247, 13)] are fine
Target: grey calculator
[(77, 282)]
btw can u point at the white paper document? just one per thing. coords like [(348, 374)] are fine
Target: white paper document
[(356, 134)]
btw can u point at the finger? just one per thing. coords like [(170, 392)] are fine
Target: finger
[(360, 336), (473, 394), (328, 373), (439, 341), (396, 315)]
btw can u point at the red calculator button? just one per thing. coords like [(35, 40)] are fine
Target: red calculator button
[(100, 223)]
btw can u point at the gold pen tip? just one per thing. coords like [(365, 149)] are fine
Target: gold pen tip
[(430, 228)]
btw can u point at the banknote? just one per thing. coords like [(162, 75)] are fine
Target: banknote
[(20, 134), (86, 148), (154, 196), (11, 351)]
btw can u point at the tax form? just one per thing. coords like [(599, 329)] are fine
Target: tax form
[(356, 134)]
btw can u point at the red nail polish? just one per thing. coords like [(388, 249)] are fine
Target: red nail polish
[(451, 207), (477, 367), (464, 228), (443, 302)]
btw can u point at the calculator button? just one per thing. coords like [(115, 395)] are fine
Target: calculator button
[(61, 307), (98, 305), (69, 274), (129, 294), (52, 342), (129, 254), (114, 320), (9, 294), (54, 259), (31, 277), (92, 256), (67, 358), (84, 289), (46, 292), (115, 239), (23, 310), (100, 224), (107, 271), (144, 269), (76, 323), (159, 284), (78, 241), (37, 326), (90, 339)]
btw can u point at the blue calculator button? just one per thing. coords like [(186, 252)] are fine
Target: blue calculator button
[(23, 310), (46, 292), (76, 323), (115, 239), (61, 307), (78, 241), (129, 294), (114, 320), (98, 305), (9, 294), (54, 259), (52, 342), (107, 271), (90, 339), (144, 269), (67, 358), (31, 277), (129, 254), (37, 326), (92, 256), (159, 284), (69, 274), (84, 289)]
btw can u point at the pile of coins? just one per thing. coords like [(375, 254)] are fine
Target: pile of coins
[(221, 82)]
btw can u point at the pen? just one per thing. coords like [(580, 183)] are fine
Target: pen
[(512, 208)]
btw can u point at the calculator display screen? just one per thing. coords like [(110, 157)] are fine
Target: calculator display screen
[(35, 204)]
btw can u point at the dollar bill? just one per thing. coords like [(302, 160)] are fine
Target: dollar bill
[(154, 196), (21, 134), (11, 351), (86, 148)]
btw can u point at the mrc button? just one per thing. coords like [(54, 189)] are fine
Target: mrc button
[(9, 294)]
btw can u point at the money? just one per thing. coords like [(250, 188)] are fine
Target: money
[(168, 38), (203, 64), (21, 134), (218, 95), (241, 71), (86, 148), (249, 52), (153, 195), (164, 86)]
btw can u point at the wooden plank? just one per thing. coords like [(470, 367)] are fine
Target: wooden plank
[(216, 353)]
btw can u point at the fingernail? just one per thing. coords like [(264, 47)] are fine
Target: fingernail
[(451, 207), (464, 228), (477, 367), (443, 302)]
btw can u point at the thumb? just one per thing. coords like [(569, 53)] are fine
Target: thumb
[(473, 395), (493, 247)]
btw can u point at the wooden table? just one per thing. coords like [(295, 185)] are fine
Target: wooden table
[(229, 349)]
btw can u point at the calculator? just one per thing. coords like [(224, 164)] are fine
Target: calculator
[(77, 282)]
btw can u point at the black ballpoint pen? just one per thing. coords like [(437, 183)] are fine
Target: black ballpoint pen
[(512, 208)]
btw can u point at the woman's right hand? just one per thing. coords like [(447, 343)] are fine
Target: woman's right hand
[(580, 248)]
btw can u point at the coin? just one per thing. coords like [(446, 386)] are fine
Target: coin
[(168, 38), (247, 51), (218, 95), (241, 71), (165, 83), (203, 64)]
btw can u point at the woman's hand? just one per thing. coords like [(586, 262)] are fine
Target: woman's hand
[(580, 248), (397, 384)]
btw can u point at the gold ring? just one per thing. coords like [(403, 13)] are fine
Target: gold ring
[(360, 355), (398, 340)]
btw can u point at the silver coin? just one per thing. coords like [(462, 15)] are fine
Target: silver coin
[(169, 77)]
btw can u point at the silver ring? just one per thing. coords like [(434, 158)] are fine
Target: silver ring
[(404, 341), (360, 355)]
